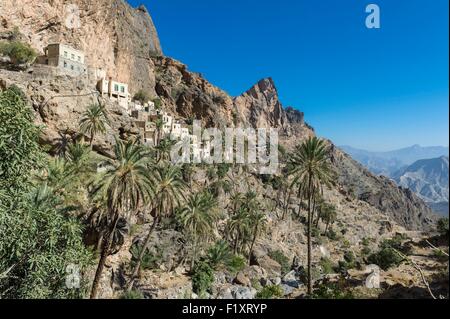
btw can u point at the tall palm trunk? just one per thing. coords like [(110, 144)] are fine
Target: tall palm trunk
[(104, 255), (194, 255), (91, 142), (255, 234), (137, 267), (236, 241), (319, 214), (310, 193)]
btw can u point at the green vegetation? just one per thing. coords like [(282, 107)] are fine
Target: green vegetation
[(326, 265), (270, 292), (442, 227), (387, 256), (94, 121), (335, 290), (198, 218), (235, 264), (202, 278), (280, 258), (142, 97), (219, 254), (349, 262), (149, 260), (166, 193), (124, 186), (311, 169), (39, 239), (133, 294), (18, 52)]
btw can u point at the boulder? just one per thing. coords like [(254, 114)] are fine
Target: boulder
[(240, 292), (242, 279), (270, 265)]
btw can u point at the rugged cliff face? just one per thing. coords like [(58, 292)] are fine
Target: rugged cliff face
[(116, 38), (123, 42)]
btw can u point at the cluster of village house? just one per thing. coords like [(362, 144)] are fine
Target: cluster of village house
[(72, 62)]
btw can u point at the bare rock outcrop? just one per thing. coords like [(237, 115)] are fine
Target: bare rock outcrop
[(116, 38), (59, 102)]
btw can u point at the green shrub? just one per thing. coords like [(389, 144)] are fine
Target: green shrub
[(157, 102), (442, 227), (219, 254), (236, 264), (141, 96), (366, 251), (280, 258), (202, 278), (332, 235), (326, 265), (315, 232), (270, 292), (349, 262), (440, 255), (133, 294), (18, 52), (149, 260), (385, 258), (335, 290), (222, 170)]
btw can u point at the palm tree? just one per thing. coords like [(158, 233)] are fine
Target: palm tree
[(124, 186), (236, 200), (159, 125), (238, 228), (198, 218), (93, 121), (256, 218), (169, 190), (163, 150), (311, 169)]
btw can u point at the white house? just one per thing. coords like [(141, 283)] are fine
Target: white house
[(115, 90), (65, 58)]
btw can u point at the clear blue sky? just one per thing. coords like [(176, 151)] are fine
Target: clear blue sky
[(373, 89)]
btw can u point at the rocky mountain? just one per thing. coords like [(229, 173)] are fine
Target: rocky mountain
[(123, 42), (381, 192), (117, 39), (388, 163), (429, 179)]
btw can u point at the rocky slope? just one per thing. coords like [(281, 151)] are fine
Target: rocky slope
[(122, 41), (381, 192), (116, 38)]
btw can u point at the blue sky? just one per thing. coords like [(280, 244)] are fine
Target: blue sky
[(373, 89)]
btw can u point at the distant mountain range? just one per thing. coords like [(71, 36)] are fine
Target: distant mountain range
[(424, 170), (389, 163), (429, 180)]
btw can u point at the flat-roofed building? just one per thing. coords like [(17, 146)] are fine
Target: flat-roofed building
[(66, 58), (115, 90)]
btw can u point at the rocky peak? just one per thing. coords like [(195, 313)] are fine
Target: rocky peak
[(261, 107)]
